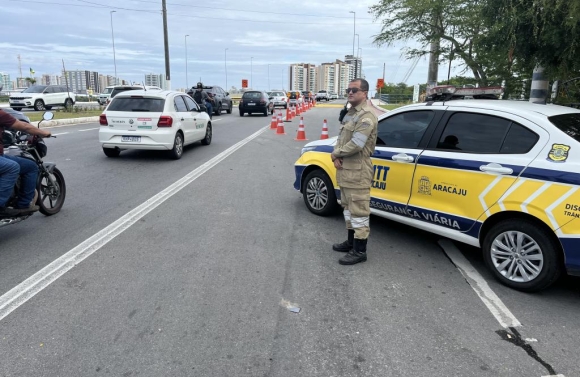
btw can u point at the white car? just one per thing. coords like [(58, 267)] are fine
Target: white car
[(103, 97), (42, 97), (153, 120), (279, 97)]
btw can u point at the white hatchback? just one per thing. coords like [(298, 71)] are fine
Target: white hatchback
[(153, 120)]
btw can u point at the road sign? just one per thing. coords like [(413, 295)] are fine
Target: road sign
[(380, 83), (244, 83)]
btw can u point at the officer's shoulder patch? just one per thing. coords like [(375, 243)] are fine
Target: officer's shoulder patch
[(366, 122)]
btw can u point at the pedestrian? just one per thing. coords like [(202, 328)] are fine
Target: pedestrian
[(354, 170)]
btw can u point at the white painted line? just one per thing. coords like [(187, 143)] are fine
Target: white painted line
[(495, 305), (215, 120), (62, 133), (555, 375), (24, 291), (89, 129)]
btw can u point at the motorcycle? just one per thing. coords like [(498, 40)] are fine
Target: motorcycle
[(50, 190)]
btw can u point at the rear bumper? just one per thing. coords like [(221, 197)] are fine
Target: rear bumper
[(152, 140), (253, 109)]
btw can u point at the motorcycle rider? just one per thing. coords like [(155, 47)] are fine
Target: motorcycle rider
[(12, 166), (203, 99)]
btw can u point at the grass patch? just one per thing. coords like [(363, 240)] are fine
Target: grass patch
[(35, 117), (390, 107)]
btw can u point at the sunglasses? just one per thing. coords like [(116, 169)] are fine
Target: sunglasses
[(353, 90)]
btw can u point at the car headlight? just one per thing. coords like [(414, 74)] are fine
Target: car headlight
[(307, 149)]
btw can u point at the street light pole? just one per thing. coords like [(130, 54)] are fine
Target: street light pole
[(226, 66), (251, 72), (269, 88), (356, 69), (354, 30), (186, 81), (113, 36)]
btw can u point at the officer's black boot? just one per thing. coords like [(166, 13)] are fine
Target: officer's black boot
[(357, 254), (346, 246)]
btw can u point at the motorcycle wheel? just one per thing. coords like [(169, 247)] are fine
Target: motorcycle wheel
[(48, 202)]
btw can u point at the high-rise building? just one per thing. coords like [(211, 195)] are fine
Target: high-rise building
[(22, 83), (47, 79), (5, 82), (303, 77), (79, 81), (356, 62), (152, 79), (334, 77)]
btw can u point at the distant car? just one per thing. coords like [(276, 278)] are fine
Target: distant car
[(279, 98), (308, 96), (333, 96), (102, 98), (322, 95), (42, 97), (295, 97), (123, 88), (221, 97), (255, 101), (152, 120)]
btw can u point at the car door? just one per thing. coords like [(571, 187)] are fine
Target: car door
[(199, 120), (474, 158), (185, 117), (400, 140), (50, 96)]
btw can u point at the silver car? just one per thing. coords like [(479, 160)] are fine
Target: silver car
[(279, 98)]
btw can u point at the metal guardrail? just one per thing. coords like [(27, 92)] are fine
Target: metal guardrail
[(396, 98)]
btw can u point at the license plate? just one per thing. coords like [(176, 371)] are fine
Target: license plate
[(134, 139), (251, 104)]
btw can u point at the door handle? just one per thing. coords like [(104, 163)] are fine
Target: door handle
[(495, 168), (402, 157)]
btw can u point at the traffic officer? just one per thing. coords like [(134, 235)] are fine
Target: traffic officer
[(354, 170)]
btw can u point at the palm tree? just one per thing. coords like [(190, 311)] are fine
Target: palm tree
[(31, 80)]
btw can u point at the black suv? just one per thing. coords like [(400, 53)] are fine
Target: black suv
[(255, 101), (222, 100)]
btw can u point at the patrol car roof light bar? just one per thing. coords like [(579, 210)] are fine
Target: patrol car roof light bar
[(450, 92)]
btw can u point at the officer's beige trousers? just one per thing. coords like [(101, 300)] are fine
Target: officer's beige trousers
[(356, 204)]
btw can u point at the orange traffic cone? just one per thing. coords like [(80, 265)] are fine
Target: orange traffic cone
[(301, 135), (298, 109), (280, 129), (274, 123), (324, 131), (293, 111), (288, 114)]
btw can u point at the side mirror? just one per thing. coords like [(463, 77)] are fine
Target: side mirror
[(227, 93), (270, 98), (48, 115)]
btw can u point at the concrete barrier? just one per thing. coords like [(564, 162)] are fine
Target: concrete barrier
[(65, 122)]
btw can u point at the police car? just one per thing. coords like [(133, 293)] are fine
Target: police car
[(496, 174)]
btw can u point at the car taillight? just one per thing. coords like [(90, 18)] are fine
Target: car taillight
[(165, 121), (103, 120)]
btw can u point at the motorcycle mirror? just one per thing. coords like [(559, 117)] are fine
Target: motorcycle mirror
[(48, 115)]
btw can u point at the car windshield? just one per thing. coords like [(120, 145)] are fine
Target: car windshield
[(35, 89), (277, 94), (154, 105), (119, 90), (568, 123), (108, 91), (253, 95)]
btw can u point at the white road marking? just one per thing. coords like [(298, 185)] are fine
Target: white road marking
[(89, 129), (215, 120), (555, 375), (495, 305), (62, 133), (24, 291)]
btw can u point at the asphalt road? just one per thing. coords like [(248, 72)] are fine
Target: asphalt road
[(202, 284)]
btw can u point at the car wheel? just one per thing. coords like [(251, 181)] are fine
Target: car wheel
[(318, 193), (112, 152), (218, 111), (177, 150), (522, 255), (68, 103), (241, 113), (266, 112), (208, 134), (39, 105), (229, 110)]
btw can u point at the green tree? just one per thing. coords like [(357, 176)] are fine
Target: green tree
[(30, 80)]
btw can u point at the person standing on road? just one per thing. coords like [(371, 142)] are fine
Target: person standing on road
[(354, 170), (202, 99), (12, 166)]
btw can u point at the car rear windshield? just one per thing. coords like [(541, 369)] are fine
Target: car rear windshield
[(568, 123), (277, 94), (153, 105), (119, 90), (253, 95)]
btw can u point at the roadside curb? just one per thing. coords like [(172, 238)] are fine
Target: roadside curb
[(378, 108), (66, 122)]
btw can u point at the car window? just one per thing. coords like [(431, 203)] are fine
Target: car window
[(519, 140), (474, 133), (180, 106), (253, 95), (154, 105), (568, 123), (191, 104), (119, 90), (404, 130), (49, 90)]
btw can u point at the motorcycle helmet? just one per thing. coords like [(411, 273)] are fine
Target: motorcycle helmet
[(199, 85)]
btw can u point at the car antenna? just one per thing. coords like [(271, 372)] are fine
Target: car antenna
[(144, 87)]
